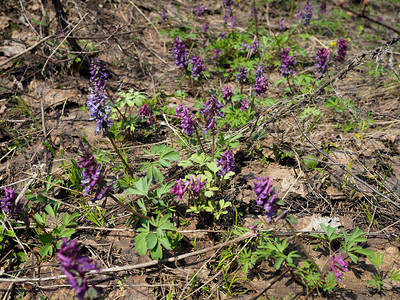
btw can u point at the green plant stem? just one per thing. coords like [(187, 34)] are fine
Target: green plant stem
[(302, 247), (130, 171), (127, 207), (198, 138), (290, 86), (213, 146), (192, 84)]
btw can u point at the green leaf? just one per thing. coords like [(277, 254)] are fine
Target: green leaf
[(67, 233), (151, 240), (50, 211), (45, 250), (278, 263), (165, 242), (213, 167), (156, 252), (141, 243)]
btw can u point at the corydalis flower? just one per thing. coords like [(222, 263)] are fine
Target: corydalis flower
[(337, 264), (180, 54), (306, 13), (266, 196), (242, 75), (198, 66), (222, 36), (91, 175), (322, 61), (188, 120), (199, 11), (253, 47), (98, 110), (195, 185), (245, 104), (210, 110), (145, 112), (178, 190), (75, 266), (342, 48), (287, 62), (260, 86), (163, 16), (281, 25), (226, 162), (255, 230), (205, 27), (322, 8), (216, 54), (232, 23), (228, 5), (8, 204), (227, 94)]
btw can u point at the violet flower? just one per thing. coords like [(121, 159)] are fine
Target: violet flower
[(338, 265), (306, 13), (8, 204), (259, 72), (216, 54), (178, 190), (342, 48), (91, 175), (254, 11), (75, 266), (241, 76), (180, 54), (281, 25), (266, 196), (205, 27), (210, 110), (222, 36), (204, 43), (226, 162), (228, 5), (96, 103), (232, 23), (199, 11), (196, 185), (146, 111), (163, 16), (254, 46), (227, 94), (261, 85), (198, 66), (322, 61), (255, 230), (245, 104), (188, 120), (287, 62), (322, 8)]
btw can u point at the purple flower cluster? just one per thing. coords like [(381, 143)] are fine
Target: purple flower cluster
[(266, 196), (8, 204), (241, 76), (227, 94), (163, 18), (253, 47), (281, 25), (216, 54), (338, 265), (226, 162), (145, 111), (342, 48), (98, 110), (180, 54), (322, 61), (222, 36), (322, 8), (306, 13), (228, 5), (199, 11), (259, 72), (204, 43), (194, 183), (91, 175), (198, 66), (188, 120), (254, 11), (75, 266), (287, 62), (205, 27), (210, 110), (245, 104)]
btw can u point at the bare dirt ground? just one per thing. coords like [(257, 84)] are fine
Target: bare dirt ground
[(43, 90)]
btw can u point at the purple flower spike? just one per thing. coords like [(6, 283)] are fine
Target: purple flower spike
[(306, 13), (75, 266), (196, 185), (178, 190), (322, 8), (198, 66), (98, 110), (199, 11), (146, 111), (266, 196), (210, 110), (188, 120), (254, 46), (260, 86), (342, 48), (228, 5), (338, 265), (205, 27), (287, 62), (255, 230), (281, 25), (222, 36), (91, 175), (8, 202), (227, 162), (232, 23), (163, 16), (322, 61), (245, 104), (259, 72), (227, 94), (241, 76), (180, 54), (216, 54)]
